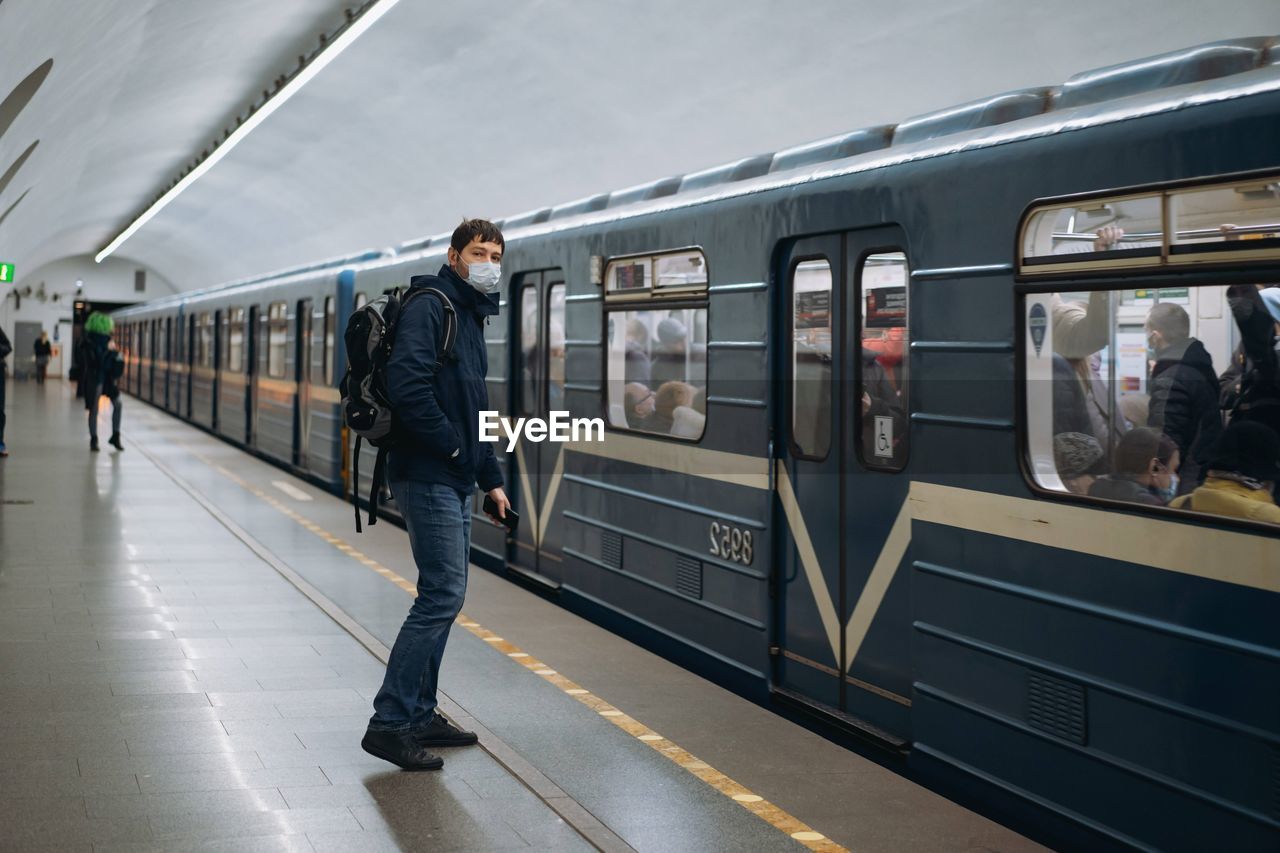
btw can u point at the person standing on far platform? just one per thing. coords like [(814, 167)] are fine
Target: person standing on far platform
[(44, 351), (5, 349), (433, 469), (101, 365)]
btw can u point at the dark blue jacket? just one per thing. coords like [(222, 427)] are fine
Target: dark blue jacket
[(438, 412)]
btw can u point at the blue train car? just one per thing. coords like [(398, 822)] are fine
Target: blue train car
[(259, 361), (857, 396)]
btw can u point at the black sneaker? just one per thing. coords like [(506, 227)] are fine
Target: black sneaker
[(401, 750), (115, 441), (93, 444), (441, 732)]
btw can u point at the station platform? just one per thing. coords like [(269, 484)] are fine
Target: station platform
[(190, 639)]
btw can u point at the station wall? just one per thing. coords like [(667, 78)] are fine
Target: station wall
[(46, 296)]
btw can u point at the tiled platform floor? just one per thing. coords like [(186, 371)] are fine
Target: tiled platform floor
[(161, 688), (166, 688)]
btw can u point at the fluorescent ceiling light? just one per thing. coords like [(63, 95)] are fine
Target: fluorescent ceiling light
[(291, 88)]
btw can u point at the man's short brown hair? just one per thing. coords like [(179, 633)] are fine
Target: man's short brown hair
[(475, 229), (1171, 321)]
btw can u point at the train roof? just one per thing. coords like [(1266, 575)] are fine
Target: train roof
[(1218, 71), (336, 263)]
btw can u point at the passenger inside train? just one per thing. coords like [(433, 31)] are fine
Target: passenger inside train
[(657, 357), (1135, 372), (1144, 470)]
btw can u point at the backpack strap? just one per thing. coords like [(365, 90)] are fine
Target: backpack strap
[(450, 326), (445, 349), (355, 483), (375, 488)]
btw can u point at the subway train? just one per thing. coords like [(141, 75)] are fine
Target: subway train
[(834, 475)]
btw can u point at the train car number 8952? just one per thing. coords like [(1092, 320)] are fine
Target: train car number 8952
[(731, 543)]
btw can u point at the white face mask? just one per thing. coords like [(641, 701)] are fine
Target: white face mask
[(484, 276)]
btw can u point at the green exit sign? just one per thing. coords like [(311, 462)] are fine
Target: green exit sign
[(6, 273)]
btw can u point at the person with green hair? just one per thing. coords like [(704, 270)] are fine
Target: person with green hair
[(101, 366)]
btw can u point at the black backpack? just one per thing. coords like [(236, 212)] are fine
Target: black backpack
[(366, 405)]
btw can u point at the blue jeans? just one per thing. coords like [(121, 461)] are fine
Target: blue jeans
[(439, 522)]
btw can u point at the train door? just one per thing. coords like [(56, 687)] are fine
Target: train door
[(251, 381), (190, 361), (176, 365), (302, 399), (215, 341), (842, 609), (539, 390), (168, 358), (153, 334)]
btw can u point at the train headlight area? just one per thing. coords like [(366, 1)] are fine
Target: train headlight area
[(934, 509)]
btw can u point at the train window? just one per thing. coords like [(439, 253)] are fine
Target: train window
[(1213, 223), (1128, 392), (680, 270), (882, 360), (330, 338), (1119, 232), (1225, 223), (657, 371), (811, 358), (204, 347), (530, 330), (555, 348), (360, 301), (235, 340), (277, 338), (667, 274)]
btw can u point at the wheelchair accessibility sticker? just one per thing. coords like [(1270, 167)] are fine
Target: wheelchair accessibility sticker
[(884, 437)]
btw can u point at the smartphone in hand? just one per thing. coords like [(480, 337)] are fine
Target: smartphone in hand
[(510, 521)]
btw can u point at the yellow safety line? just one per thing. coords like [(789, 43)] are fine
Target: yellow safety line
[(754, 803), (757, 805)]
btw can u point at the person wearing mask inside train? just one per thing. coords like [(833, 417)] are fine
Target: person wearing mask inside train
[(1144, 470), (1244, 468), (1250, 387), (433, 471), (1184, 390)]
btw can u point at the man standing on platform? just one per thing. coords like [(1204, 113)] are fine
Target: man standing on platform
[(5, 349), (433, 469)]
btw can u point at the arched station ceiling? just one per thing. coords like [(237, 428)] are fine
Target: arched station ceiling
[(442, 110)]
